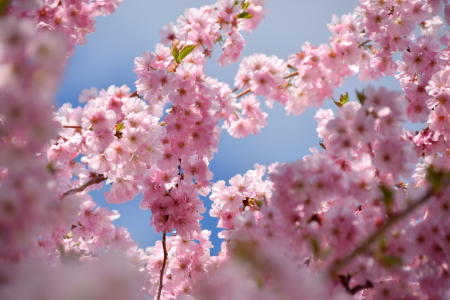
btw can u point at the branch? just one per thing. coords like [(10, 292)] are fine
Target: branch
[(290, 75), (94, 180), (245, 92), (386, 226), (135, 94), (72, 126), (345, 281), (161, 274), (363, 43)]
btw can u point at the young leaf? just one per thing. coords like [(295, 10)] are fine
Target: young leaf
[(220, 39), (343, 98), (119, 126), (361, 97), (175, 53), (245, 5), (388, 197), (337, 103), (245, 15), (391, 261), (437, 178), (185, 52)]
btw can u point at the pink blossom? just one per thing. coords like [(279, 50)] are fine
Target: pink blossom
[(417, 111), (262, 82), (439, 119), (309, 227), (122, 190), (440, 82)]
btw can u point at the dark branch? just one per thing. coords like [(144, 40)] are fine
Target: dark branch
[(135, 94), (345, 281), (161, 274), (391, 221), (94, 180)]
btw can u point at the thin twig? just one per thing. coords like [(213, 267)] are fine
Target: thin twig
[(291, 75), (135, 94), (72, 126), (380, 232), (94, 180), (161, 275), (245, 92), (363, 43)]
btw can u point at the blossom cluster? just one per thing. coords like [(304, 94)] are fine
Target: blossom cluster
[(73, 19), (365, 217), (28, 72)]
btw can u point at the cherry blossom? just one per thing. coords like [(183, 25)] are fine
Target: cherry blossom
[(364, 217)]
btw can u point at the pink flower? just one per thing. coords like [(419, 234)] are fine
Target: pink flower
[(121, 191), (394, 157), (184, 93), (262, 82), (401, 24), (417, 111), (168, 33), (440, 82), (232, 49), (240, 128), (363, 127), (197, 168), (439, 121)]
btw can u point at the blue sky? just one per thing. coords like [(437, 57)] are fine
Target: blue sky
[(107, 59)]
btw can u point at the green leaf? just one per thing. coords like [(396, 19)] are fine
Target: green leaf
[(175, 53), (245, 5), (437, 178), (361, 97), (185, 52), (388, 197), (119, 126), (245, 15), (391, 261), (51, 168), (383, 245), (220, 39), (342, 100)]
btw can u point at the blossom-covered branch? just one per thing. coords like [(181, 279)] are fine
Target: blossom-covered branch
[(437, 188), (95, 180)]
